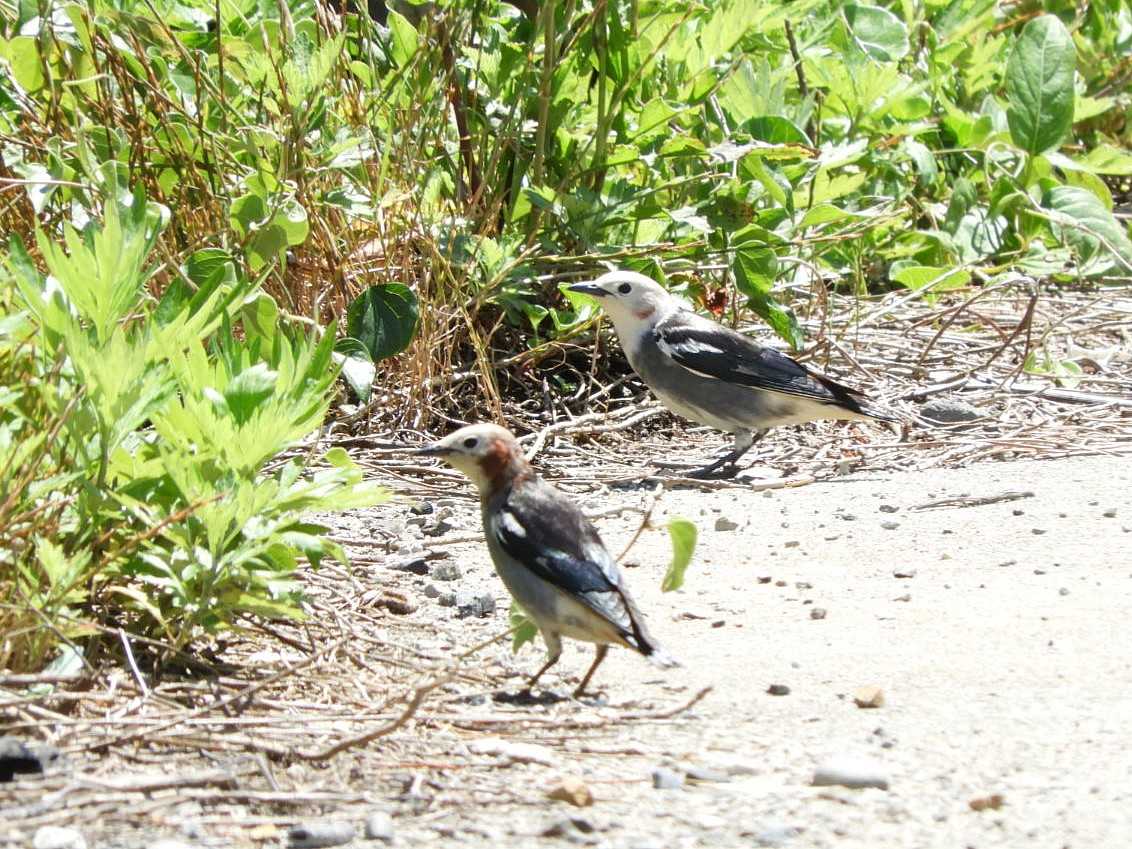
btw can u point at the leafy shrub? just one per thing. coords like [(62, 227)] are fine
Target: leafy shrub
[(135, 438)]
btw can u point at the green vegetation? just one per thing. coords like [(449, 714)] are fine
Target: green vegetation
[(428, 181)]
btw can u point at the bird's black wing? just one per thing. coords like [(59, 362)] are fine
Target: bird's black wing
[(714, 351), (544, 531)]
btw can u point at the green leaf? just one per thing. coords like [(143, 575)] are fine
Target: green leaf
[(23, 56), (384, 319), (248, 389), (202, 264), (358, 369), (247, 212), (754, 269), (1081, 219), (877, 32), (260, 316), (683, 535), (1039, 85), (524, 629), (937, 279), (403, 38), (775, 130)]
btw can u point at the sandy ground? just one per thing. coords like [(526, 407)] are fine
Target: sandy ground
[(998, 633), (1004, 655)]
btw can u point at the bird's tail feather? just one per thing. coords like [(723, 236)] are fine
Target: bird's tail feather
[(660, 658)]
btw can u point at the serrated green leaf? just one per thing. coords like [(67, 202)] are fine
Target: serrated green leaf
[(524, 630), (384, 319), (1039, 85), (682, 533)]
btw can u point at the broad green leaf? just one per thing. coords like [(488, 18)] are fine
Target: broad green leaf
[(202, 264), (1039, 85), (260, 316), (754, 269), (358, 369), (248, 389), (267, 246), (292, 220), (1106, 159), (524, 629), (403, 38), (683, 534), (776, 130), (384, 319), (877, 32), (1084, 223), (937, 279), (247, 212), (23, 56)]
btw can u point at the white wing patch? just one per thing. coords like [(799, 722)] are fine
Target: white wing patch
[(687, 347), (510, 524)]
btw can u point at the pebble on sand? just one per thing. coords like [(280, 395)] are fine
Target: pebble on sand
[(313, 835), (666, 779), (58, 837), (379, 826), (851, 771), (571, 789), (868, 697)]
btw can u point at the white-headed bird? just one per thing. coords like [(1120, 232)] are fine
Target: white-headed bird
[(549, 556), (713, 375)]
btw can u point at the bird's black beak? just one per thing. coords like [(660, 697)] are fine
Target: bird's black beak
[(588, 289), (434, 450)]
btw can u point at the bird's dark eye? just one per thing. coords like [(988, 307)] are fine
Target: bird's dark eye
[(470, 442), (624, 288)]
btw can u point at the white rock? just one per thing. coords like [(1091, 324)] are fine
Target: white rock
[(379, 826), (523, 753), (57, 837), (851, 771)]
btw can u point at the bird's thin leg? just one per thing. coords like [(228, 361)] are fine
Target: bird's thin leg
[(554, 647), (744, 440), (602, 650)]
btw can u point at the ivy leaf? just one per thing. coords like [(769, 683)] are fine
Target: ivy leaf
[(1039, 85), (683, 535), (384, 319)]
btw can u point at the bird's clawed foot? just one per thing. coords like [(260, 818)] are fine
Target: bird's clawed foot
[(527, 697), (721, 469)]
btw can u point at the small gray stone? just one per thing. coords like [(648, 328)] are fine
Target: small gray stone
[(817, 613), (58, 837), (379, 826), (890, 525), (725, 524), (1110, 513), (447, 572), (1063, 591), (851, 771), (422, 508), (707, 775), (888, 508), (447, 600), (904, 573), (573, 829), (846, 517), (313, 835), (778, 690), (469, 604), (776, 834), (945, 411), (431, 591), (1037, 531), (666, 779)]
